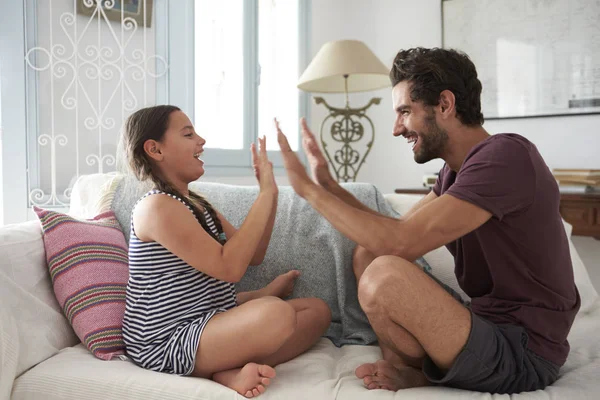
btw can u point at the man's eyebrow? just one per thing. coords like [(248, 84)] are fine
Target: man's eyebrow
[(402, 107)]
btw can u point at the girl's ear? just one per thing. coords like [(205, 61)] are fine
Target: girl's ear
[(152, 149)]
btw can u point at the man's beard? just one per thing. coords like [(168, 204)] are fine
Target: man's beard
[(433, 142)]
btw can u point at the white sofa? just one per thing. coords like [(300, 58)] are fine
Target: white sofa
[(41, 358)]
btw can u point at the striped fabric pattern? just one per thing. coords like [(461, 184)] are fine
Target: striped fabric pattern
[(169, 303), (87, 261)]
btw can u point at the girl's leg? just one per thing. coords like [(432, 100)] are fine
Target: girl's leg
[(267, 330), (312, 320), (233, 339)]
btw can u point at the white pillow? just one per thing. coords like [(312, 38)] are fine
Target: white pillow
[(9, 352), (92, 194), (39, 329), (442, 262)]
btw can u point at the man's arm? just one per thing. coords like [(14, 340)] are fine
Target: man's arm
[(349, 199), (435, 223)]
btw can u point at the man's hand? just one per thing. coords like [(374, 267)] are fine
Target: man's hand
[(296, 173), (318, 164)]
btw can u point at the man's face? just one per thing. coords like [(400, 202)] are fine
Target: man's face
[(417, 124)]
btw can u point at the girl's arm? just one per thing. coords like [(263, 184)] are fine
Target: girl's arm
[(261, 250), (263, 170), (167, 221)]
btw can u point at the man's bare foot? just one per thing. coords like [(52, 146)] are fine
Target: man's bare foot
[(251, 380), (383, 375), (283, 285)]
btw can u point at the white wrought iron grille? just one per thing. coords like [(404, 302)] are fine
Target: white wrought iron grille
[(85, 75)]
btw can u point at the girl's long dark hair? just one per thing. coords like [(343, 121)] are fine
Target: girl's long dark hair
[(151, 123)]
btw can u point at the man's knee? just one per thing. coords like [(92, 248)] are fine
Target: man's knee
[(382, 273)]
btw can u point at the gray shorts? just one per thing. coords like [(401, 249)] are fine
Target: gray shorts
[(496, 360)]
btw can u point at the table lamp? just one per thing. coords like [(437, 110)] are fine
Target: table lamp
[(345, 66)]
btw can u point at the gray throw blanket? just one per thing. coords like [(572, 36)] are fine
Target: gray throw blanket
[(302, 239)]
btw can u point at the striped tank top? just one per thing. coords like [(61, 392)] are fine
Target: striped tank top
[(168, 304)]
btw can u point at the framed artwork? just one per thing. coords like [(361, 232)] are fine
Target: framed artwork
[(534, 57), (115, 9)]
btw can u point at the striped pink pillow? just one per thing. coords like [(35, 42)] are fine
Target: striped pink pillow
[(88, 266)]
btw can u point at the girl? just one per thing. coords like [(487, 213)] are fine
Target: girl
[(183, 315)]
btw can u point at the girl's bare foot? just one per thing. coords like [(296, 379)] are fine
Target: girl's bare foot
[(383, 375), (283, 285), (251, 380)]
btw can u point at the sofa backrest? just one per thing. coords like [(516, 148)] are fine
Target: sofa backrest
[(32, 326)]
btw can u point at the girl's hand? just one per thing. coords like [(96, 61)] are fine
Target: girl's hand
[(263, 168)]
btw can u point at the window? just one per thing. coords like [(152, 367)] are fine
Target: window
[(247, 58), (1, 176), (1, 173), (219, 72)]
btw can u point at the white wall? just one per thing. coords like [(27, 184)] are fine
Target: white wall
[(564, 142), (387, 26)]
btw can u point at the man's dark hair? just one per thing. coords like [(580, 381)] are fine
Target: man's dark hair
[(431, 71)]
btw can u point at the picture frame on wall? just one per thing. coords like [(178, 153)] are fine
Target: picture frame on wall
[(117, 9), (534, 58)]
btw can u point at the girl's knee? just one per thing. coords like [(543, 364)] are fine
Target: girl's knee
[(278, 316)]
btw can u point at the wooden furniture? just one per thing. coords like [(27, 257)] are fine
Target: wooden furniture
[(582, 210), (422, 190)]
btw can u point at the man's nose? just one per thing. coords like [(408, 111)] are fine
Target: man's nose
[(399, 129)]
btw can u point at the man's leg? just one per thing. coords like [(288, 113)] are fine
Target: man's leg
[(411, 315), (362, 258), (393, 372)]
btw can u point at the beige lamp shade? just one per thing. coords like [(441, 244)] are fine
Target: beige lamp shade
[(335, 59)]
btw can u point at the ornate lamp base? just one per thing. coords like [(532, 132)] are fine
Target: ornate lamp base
[(347, 129)]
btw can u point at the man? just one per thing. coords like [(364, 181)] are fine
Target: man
[(495, 206)]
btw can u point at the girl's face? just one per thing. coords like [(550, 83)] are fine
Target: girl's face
[(180, 150)]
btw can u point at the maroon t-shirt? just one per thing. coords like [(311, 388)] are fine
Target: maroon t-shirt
[(517, 266)]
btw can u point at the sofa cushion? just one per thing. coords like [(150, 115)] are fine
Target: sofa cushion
[(88, 265), (33, 327), (324, 372)]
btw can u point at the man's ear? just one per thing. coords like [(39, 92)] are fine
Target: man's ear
[(152, 148), (447, 105)]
